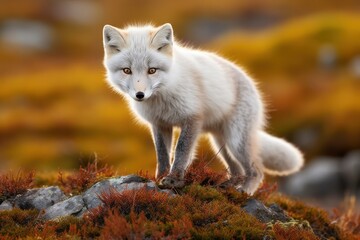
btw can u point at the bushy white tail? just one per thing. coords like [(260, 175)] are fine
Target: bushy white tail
[(278, 156)]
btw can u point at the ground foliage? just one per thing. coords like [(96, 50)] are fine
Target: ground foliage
[(201, 210), (13, 183)]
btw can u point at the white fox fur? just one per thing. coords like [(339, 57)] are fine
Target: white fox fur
[(169, 85)]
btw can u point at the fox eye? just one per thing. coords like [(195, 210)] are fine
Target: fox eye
[(127, 70), (152, 70)]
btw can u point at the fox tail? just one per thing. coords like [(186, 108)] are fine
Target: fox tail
[(278, 156)]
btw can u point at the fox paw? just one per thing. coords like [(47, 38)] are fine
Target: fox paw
[(229, 183), (241, 190), (171, 182), (235, 181), (226, 184)]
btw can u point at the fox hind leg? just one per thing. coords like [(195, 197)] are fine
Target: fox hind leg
[(233, 166), (242, 145)]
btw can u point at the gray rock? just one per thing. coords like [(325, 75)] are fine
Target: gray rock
[(82, 212), (71, 206), (28, 35), (265, 214), (53, 200), (6, 205), (278, 213), (130, 182), (327, 56), (132, 178), (76, 12), (305, 138), (39, 198), (320, 179), (355, 66), (351, 171)]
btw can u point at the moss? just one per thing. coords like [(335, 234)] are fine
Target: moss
[(293, 231), (235, 197), (214, 216), (319, 219), (17, 223), (237, 226), (205, 194), (64, 224)]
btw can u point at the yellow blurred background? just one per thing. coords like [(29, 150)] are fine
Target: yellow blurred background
[(56, 111)]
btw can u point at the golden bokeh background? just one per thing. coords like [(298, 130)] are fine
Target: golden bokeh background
[(56, 111)]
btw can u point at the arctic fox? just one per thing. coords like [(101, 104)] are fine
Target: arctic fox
[(169, 85)]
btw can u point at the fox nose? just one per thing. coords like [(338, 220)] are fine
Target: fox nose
[(140, 95)]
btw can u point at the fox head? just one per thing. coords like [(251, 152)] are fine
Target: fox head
[(138, 59)]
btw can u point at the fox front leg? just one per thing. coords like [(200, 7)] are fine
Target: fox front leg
[(184, 148), (162, 139)]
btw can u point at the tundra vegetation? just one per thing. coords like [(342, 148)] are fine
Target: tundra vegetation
[(201, 210)]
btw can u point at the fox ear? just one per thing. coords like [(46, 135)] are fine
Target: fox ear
[(113, 39), (163, 38)]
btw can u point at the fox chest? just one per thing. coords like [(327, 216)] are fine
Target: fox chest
[(174, 113)]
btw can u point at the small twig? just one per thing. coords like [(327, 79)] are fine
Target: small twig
[(217, 153)]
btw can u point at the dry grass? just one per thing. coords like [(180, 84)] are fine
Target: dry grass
[(13, 183), (84, 177), (197, 213), (347, 217), (199, 172)]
